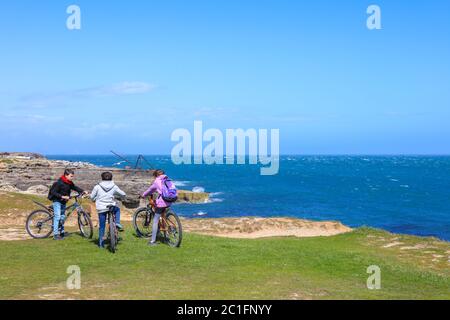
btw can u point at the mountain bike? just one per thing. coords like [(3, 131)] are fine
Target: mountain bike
[(170, 229), (39, 223), (113, 232)]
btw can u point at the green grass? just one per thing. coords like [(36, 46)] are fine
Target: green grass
[(21, 202), (217, 268)]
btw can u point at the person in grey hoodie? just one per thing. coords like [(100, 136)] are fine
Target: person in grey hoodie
[(104, 194)]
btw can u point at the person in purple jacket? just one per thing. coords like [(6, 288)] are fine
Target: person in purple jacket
[(161, 181)]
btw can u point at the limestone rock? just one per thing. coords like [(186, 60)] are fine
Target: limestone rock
[(38, 189), (9, 188)]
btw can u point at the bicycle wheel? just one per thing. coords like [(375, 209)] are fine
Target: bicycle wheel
[(174, 233), (112, 235), (85, 225), (39, 224), (143, 222)]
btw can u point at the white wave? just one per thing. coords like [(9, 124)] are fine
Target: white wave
[(198, 189), (215, 194), (213, 200), (201, 213), (181, 183), (404, 186), (394, 180)]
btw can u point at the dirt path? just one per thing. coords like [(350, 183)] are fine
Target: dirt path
[(13, 234), (252, 228)]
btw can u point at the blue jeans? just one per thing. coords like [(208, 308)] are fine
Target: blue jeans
[(102, 223), (59, 218)]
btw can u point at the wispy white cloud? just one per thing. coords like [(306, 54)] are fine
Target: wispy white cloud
[(63, 98), (18, 120), (92, 130), (124, 88)]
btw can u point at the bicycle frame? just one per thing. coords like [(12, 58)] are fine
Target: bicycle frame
[(69, 210), (73, 208), (163, 222)]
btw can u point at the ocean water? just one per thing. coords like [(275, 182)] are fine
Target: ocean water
[(402, 194)]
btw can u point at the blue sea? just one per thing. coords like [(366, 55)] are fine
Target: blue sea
[(401, 194)]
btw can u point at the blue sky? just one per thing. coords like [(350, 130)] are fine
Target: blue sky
[(137, 70)]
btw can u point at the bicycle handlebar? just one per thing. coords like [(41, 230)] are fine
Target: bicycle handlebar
[(77, 197)]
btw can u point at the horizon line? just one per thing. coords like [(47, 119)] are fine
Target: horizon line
[(281, 155)]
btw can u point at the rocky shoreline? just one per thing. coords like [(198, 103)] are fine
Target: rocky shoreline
[(33, 174)]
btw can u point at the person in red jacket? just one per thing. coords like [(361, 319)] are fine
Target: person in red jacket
[(60, 194)]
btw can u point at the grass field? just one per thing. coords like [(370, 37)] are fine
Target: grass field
[(218, 268)]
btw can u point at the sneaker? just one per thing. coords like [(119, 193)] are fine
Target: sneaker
[(57, 238), (119, 227), (152, 244)]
